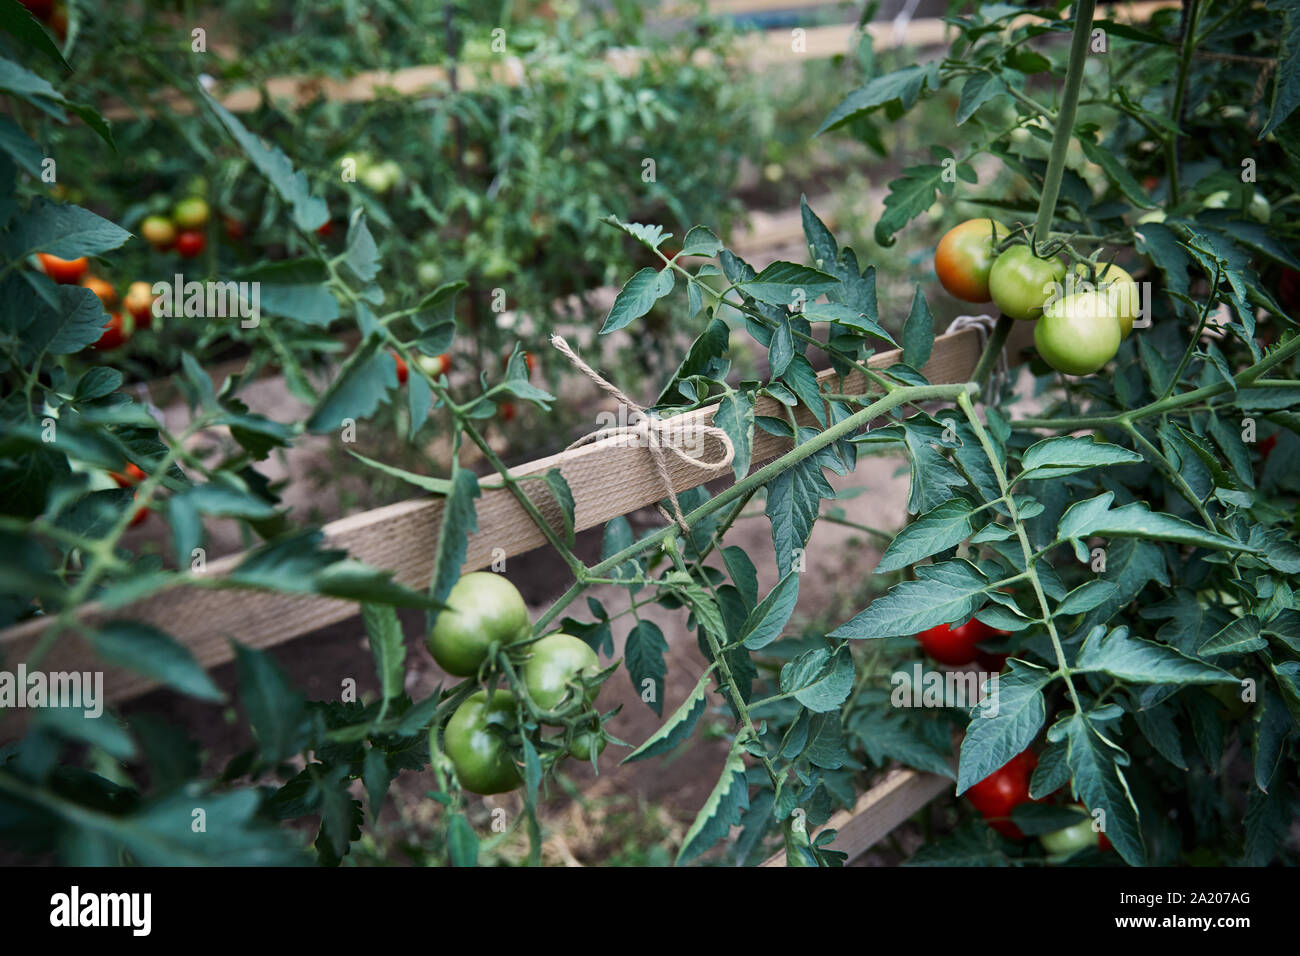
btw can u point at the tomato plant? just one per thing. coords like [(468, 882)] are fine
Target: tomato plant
[(1120, 545)]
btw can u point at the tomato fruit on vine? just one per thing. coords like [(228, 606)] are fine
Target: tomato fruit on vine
[(63, 271), (40, 9), (428, 273), (102, 289), (132, 475), (190, 244), (481, 608), (191, 213), (964, 257), (555, 661), (1071, 839), (402, 371), (581, 746), (1020, 282), (955, 645), (475, 740), (235, 228), (158, 231), (435, 364), (1002, 791), (1078, 334), (139, 302), (116, 334), (1120, 292)]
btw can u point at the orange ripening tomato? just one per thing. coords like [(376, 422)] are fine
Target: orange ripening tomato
[(139, 302), (132, 476), (63, 271), (104, 290), (964, 257), (402, 371), (528, 360)]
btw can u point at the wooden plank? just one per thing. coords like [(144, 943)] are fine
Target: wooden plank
[(878, 812), (608, 478)]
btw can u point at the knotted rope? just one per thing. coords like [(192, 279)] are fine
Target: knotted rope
[(654, 431), (984, 324)]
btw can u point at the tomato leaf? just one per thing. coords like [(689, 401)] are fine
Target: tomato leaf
[(722, 810), (1004, 723), (678, 727)]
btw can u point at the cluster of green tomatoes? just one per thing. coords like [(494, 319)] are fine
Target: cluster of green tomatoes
[(485, 632), (1080, 319)]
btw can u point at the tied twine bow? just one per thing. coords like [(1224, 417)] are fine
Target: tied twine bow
[(655, 432)]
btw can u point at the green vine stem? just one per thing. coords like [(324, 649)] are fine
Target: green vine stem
[(964, 402), (1064, 131)]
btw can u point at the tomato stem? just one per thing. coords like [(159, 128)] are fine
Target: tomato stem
[(1064, 129)]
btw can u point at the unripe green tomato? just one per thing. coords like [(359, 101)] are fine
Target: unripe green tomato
[(1078, 334), (1119, 290), (556, 660), (580, 749), (191, 213), (1259, 207), (374, 178), (1216, 200), (474, 740), (1020, 282), (1070, 840), (393, 173), (481, 608), (497, 266), (428, 273), (1155, 215)]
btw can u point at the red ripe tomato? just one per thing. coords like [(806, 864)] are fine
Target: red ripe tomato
[(528, 360), (964, 257), (63, 271), (1002, 791), (235, 228), (1267, 445), (1103, 842), (40, 9), (116, 334), (189, 244), (402, 371), (325, 228), (955, 645), (139, 517), (507, 410)]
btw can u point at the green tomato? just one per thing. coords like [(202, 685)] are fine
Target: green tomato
[(191, 213), (556, 660), (1120, 291), (1259, 208), (1216, 200), (481, 608), (1078, 334), (1070, 840), (475, 740), (428, 273), (1155, 215), (580, 749), (1020, 282), (374, 178)]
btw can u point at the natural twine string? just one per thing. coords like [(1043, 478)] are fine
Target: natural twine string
[(984, 324), (651, 429)]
